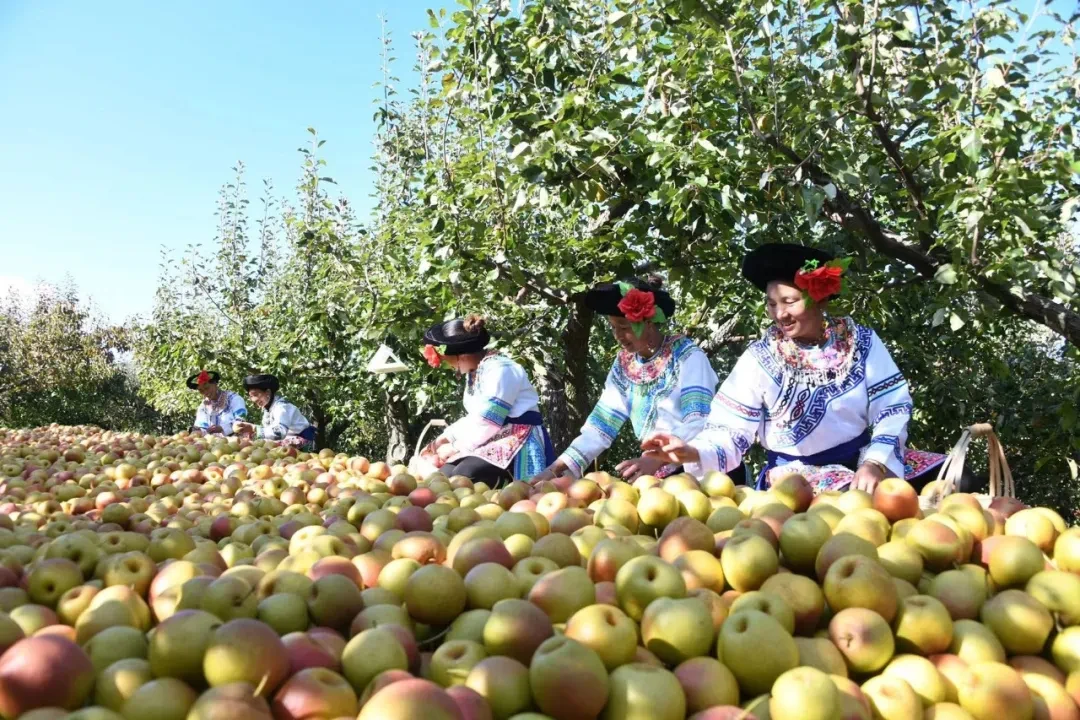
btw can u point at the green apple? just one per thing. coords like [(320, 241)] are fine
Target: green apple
[(644, 692), (644, 579), (757, 649)]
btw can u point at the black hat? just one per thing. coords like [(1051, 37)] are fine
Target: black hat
[(605, 298), (779, 261), (202, 376), (261, 382), (456, 338)]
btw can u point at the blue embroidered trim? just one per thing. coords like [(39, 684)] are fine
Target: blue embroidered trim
[(496, 411), (695, 401), (574, 460), (886, 386), (892, 410), (606, 420), (530, 459), (810, 407), (760, 351), (889, 441)]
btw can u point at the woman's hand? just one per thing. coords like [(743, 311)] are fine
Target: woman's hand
[(668, 448), (445, 451), (214, 430), (244, 429), (633, 469), (549, 473), (867, 477)]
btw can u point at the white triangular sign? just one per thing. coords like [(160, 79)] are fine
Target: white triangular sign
[(384, 361)]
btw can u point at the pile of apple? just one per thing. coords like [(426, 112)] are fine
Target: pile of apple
[(153, 578)]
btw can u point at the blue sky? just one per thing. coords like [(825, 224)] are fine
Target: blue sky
[(122, 119)]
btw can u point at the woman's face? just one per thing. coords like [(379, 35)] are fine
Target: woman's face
[(463, 364), (259, 397), (623, 331), (208, 390), (790, 312)]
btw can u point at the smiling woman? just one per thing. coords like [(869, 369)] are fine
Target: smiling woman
[(821, 393), (660, 381)]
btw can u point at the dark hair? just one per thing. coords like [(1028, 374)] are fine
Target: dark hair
[(652, 281)]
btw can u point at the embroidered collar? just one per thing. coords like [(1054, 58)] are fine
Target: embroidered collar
[(643, 371), (216, 406), (816, 364), (471, 378)]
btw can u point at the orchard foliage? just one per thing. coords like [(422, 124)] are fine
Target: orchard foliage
[(60, 363), (546, 146)]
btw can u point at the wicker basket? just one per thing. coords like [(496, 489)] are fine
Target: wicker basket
[(1001, 478)]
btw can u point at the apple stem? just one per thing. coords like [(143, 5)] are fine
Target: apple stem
[(749, 709), (262, 684)]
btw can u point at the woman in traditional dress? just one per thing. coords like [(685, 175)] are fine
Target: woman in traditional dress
[(820, 393), (502, 436), (219, 408), (660, 381), (281, 421)]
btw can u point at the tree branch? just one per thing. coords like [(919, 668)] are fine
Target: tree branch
[(847, 212), (865, 89)]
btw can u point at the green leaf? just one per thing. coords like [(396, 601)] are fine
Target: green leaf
[(945, 274), (618, 18), (972, 145)]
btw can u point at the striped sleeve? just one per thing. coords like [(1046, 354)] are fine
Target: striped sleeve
[(735, 419), (498, 386), (600, 429), (889, 408)]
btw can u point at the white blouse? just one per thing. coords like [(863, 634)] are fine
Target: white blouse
[(669, 392), (228, 408), (281, 420), (498, 389), (805, 400)]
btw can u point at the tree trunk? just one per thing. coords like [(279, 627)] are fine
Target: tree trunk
[(571, 400), (397, 428), (320, 422)]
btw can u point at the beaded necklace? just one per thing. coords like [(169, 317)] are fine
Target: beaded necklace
[(816, 364)]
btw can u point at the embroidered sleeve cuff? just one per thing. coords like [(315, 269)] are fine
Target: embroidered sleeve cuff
[(240, 412), (606, 421), (710, 457), (888, 453), (695, 402), (574, 461), (496, 412)]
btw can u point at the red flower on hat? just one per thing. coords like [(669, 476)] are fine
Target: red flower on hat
[(638, 305), (820, 283), (204, 377), (434, 359)]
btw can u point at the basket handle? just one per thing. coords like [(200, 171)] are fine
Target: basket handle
[(420, 442), (1001, 477)]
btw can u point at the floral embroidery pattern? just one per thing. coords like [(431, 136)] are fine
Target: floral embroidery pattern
[(838, 477), (648, 382), (816, 364)]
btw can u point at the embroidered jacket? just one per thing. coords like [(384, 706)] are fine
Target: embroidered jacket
[(497, 391), (804, 400), (669, 392), (227, 408), (281, 420)]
